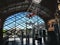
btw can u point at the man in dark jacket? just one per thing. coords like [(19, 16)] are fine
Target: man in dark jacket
[(52, 37)]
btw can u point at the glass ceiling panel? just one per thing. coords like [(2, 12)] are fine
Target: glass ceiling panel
[(19, 20)]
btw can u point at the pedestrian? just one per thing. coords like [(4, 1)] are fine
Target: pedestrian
[(52, 38)]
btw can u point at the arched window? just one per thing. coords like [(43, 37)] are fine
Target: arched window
[(18, 21)]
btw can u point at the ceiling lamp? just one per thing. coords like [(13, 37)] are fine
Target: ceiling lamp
[(58, 6), (36, 1)]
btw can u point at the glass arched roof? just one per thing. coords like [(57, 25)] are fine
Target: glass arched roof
[(19, 20)]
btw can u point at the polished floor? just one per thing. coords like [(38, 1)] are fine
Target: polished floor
[(17, 41)]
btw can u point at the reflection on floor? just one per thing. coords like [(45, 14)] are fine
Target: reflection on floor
[(17, 41)]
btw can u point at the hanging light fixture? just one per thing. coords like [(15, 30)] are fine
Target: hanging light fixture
[(58, 6), (36, 1)]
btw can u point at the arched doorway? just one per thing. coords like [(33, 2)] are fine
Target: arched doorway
[(21, 26)]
